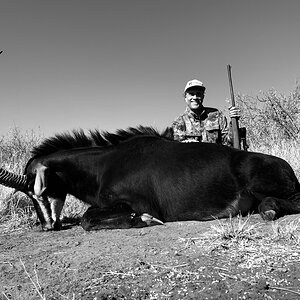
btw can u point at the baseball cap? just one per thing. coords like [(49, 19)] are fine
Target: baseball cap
[(194, 83)]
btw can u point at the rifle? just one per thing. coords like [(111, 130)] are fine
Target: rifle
[(234, 120)]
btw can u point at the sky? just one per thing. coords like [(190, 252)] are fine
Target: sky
[(110, 64)]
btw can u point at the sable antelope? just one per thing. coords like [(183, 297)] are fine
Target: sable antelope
[(138, 177)]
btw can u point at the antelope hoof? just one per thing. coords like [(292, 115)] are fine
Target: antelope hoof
[(57, 226), (268, 215), (47, 226)]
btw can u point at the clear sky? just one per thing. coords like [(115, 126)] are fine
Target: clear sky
[(109, 64)]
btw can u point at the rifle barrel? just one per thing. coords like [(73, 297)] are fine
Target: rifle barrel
[(234, 120)]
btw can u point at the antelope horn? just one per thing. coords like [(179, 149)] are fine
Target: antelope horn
[(12, 180)]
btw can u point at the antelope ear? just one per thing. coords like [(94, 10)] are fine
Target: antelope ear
[(40, 183)]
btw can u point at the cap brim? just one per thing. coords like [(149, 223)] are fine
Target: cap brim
[(196, 86)]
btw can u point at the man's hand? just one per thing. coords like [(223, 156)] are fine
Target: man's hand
[(234, 112)]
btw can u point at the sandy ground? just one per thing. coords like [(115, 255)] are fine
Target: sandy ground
[(180, 260)]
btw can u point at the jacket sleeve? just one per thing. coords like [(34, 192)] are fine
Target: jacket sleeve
[(179, 129), (226, 131)]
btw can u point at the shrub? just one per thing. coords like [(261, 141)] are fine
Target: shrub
[(271, 117), (272, 121)]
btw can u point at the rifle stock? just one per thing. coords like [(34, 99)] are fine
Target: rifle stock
[(234, 120)]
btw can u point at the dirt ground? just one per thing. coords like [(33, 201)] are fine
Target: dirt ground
[(180, 260)]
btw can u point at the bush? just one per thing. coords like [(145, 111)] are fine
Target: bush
[(15, 148), (271, 117), (273, 124)]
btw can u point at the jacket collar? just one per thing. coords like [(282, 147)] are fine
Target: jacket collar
[(200, 116)]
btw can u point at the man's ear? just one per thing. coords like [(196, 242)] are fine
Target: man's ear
[(184, 98)]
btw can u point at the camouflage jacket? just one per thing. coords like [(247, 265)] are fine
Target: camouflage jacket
[(211, 127)]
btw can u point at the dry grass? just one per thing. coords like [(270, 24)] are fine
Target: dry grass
[(16, 210), (37, 286), (288, 150), (73, 208), (16, 213), (35, 281), (287, 231), (235, 229), (256, 250)]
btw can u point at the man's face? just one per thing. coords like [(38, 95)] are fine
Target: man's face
[(194, 98)]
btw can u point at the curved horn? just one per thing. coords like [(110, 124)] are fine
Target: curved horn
[(12, 180)]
